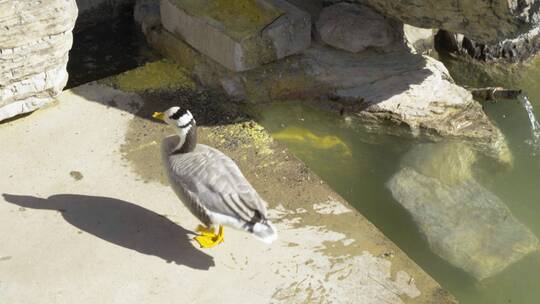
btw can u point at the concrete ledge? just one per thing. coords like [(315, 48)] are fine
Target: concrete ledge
[(89, 217)]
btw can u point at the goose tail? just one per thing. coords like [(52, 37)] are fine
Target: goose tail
[(265, 232)]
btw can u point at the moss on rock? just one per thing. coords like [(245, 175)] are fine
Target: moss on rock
[(155, 76), (240, 18), (242, 135)]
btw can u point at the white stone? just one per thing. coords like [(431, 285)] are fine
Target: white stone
[(419, 40), (35, 38)]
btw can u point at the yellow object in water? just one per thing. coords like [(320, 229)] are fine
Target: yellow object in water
[(296, 134), (208, 238)]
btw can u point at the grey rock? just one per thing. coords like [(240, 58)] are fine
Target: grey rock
[(378, 89), (353, 28), (35, 38), (237, 37), (233, 88), (463, 222), (484, 21), (494, 93), (519, 49), (313, 7), (146, 14), (419, 40), (448, 162)]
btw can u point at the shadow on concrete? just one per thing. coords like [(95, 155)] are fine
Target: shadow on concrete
[(209, 107), (111, 46), (123, 224)]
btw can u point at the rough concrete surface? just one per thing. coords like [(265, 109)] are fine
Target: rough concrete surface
[(87, 218)]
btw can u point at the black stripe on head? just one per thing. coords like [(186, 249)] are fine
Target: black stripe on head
[(178, 114)]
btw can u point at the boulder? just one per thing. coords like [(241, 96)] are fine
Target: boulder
[(494, 93), (146, 14), (419, 40), (519, 49), (413, 91), (408, 90), (484, 21), (353, 27), (448, 162), (35, 38), (240, 35), (463, 222)]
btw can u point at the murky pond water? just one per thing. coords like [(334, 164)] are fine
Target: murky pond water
[(492, 212)]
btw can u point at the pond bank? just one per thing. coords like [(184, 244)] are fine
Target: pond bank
[(100, 198)]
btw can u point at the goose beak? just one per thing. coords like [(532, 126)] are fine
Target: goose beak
[(158, 115)]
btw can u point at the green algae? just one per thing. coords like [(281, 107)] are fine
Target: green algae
[(155, 76), (243, 135), (177, 49), (239, 18)]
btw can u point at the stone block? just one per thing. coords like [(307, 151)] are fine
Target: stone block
[(239, 35)]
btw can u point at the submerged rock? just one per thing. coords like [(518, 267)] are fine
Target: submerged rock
[(35, 38), (448, 162), (463, 222)]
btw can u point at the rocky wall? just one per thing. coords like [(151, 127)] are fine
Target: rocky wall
[(375, 74), (516, 50), (35, 39), (483, 21)]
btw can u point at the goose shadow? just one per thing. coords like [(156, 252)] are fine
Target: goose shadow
[(124, 224)]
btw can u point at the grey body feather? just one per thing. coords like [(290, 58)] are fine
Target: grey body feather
[(211, 185)]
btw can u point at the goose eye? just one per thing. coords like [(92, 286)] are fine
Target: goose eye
[(178, 114)]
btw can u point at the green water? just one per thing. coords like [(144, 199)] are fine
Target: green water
[(358, 165)]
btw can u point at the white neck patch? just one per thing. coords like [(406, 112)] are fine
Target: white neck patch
[(184, 126), (185, 119)]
